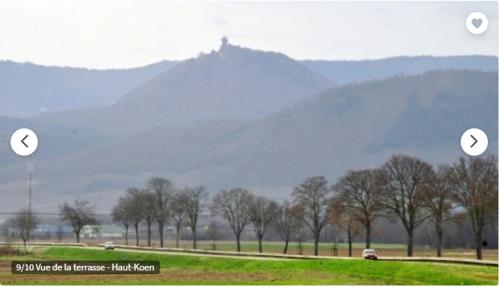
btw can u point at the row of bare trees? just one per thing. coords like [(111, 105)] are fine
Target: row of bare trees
[(412, 191), (160, 203), (77, 216), (404, 188)]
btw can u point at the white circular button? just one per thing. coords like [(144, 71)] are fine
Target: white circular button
[(474, 142), (24, 142), (476, 23)]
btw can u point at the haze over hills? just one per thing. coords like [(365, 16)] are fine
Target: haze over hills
[(237, 117), (345, 72), (352, 126), (27, 89), (233, 83)]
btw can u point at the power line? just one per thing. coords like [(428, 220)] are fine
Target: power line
[(43, 213)]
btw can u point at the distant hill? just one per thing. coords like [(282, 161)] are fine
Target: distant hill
[(352, 126), (54, 138), (232, 83), (345, 72), (27, 89)]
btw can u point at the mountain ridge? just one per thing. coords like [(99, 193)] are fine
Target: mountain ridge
[(29, 89), (338, 129), (232, 83), (69, 88), (363, 70)]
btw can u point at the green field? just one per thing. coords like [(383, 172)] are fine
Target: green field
[(177, 269), (326, 249), (277, 246)]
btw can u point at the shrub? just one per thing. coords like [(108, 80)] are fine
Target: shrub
[(7, 250)]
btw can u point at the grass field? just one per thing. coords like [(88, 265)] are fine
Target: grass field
[(326, 249), (383, 249), (210, 270)]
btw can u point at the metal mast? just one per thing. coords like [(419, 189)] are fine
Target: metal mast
[(30, 182)]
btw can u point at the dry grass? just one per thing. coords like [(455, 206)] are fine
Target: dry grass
[(8, 251)]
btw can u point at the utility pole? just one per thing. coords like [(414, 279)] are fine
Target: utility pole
[(30, 182)]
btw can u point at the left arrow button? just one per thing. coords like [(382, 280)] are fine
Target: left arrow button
[(24, 142)]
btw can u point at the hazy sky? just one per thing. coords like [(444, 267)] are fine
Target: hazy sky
[(112, 34)]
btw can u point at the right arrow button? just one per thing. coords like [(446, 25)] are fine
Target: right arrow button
[(474, 142)]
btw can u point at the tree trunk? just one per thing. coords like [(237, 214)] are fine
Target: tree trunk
[(479, 245), (349, 239), (194, 238), (260, 243), (368, 239), (316, 244), (409, 251), (136, 227), (126, 235), (77, 233), (177, 237), (238, 244), (160, 231), (149, 234), (285, 250), (25, 248), (439, 233)]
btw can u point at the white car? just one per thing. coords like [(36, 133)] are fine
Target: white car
[(370, 254), (109, 245)]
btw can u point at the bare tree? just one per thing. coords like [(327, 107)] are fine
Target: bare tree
[(358, 191), (475, 183), (232, 206), (261, 213), (438, 200), (148, 203), (78, 215), (177, 215), (25, 222), (162, 189), (314, 197), (122, 214), (135, 208), (403, 182), (345, 217), (288, 221), (193, 201)]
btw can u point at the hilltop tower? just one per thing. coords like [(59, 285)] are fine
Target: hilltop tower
[(225, 42)]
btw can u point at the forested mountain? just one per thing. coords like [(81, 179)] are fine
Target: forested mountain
[(27, 89), (352, 126), (345, 72)]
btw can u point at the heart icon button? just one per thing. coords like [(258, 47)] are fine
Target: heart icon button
[(476, 23)]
